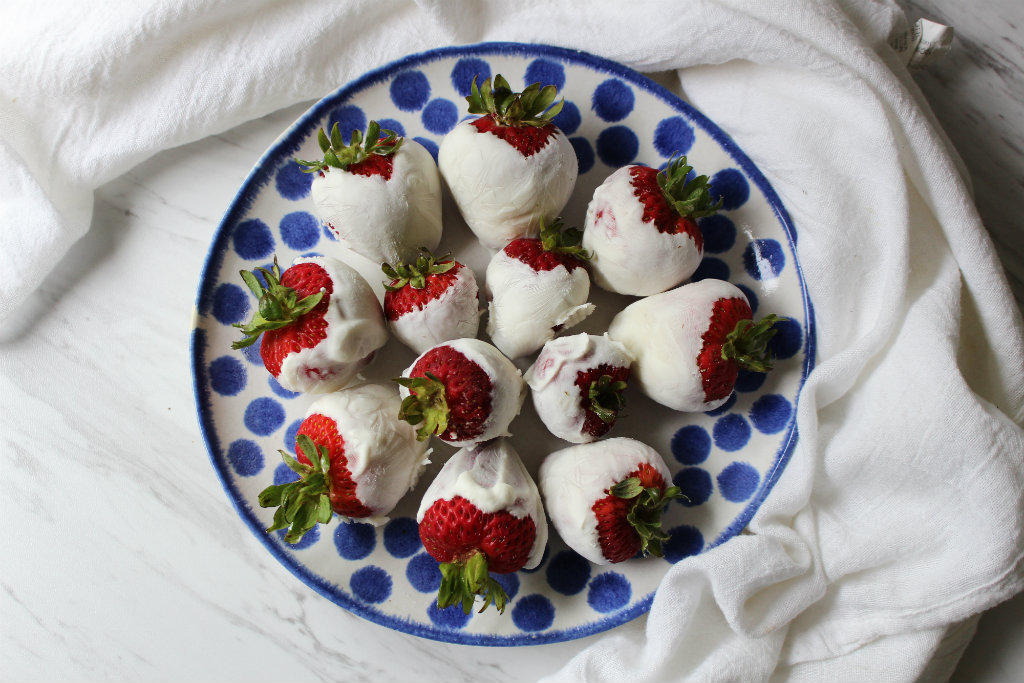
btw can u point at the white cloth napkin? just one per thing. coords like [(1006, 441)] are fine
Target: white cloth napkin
[(899, 514)]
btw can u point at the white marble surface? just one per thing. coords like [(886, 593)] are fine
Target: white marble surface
[(123, 558)]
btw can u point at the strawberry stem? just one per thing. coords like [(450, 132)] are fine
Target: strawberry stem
[(531, 107), (554, 239), (606, 399), (336, 153), (691, 198), (645, 513), (425, 405), (301, 504), (747, 344), (415, 274), (279, 306), (462, 581)]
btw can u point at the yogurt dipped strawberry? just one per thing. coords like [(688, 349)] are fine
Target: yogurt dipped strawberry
[(482, 515), (320, 323), (430, 300), (463, 391), (512, 166), (577, 385), (641, 228), (354, 460), (690, 343), (538, 286), (380, 194), (606, 498)]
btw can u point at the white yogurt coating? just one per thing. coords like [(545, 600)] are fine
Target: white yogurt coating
[(629, 256), (526, 305), (575, 478), (384, 220), (663, 332), (552, 380), (453, 315), (492, 477), (355, 329), (384, 457), (508, 387), (500, 193)]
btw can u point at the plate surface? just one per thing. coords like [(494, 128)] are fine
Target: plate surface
[(726, 461)]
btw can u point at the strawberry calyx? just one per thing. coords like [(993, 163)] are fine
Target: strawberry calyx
[(645, 513), (747, 344), (415, 274), (301, 504), (558, 241), (462, 581), (606, 399), (377, 141), (691, 198), (425, 405), (531, 107), (279, 306)]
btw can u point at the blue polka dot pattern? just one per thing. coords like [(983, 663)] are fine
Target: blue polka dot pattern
[(738, 481), (308, 539), (349, 118), (292, 182), (290, 434), (613, 100), (284, 474), (429, 145), (609, 591), (227, 376), (763, 259), (751, 297), (617, 146), (569, 119), (410, 90), (683, 541), (711, 268), (731, 432), (545, 72), (252, 239), (230, 304), (355, 540), (584, 154), (719, 233), (276, 387), (263, 416), (691, 445), (423, 573), (246, 457), (393, 125), (724, 408), (450, 617), (732, 186), (300, 230), (508, 582), (533, 613), (328, 234), (748, 381), (465, 70), (770, 413), (371, 584), (673, 136), (788, 339), (440, 116), (695, 484), (402, 537), (568, 572)]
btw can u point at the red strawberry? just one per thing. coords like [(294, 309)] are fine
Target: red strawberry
[(381, 197), (464, 391), (352, 460), (537, 287), (689, 343), (577, 384), (429, 301), (606, 498), (512, 167), (641, 228), (321, 323), (482, 515)]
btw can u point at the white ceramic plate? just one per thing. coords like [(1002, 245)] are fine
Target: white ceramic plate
[(726, 461)]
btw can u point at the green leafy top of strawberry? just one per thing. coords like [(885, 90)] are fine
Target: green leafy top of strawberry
[(556, 240), (415, 274), (606, 399), (339, 155), (461, 582), (531, 107), (279, 306), (425, 405), (690, 198), (645, 513), (747, 344), (301, 504)]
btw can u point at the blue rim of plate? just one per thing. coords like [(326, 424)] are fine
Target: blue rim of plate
[(288, 143)]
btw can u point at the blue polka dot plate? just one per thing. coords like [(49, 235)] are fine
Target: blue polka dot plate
[(726, 461)]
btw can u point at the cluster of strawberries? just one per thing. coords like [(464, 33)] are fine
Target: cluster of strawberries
[(363, 446)]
